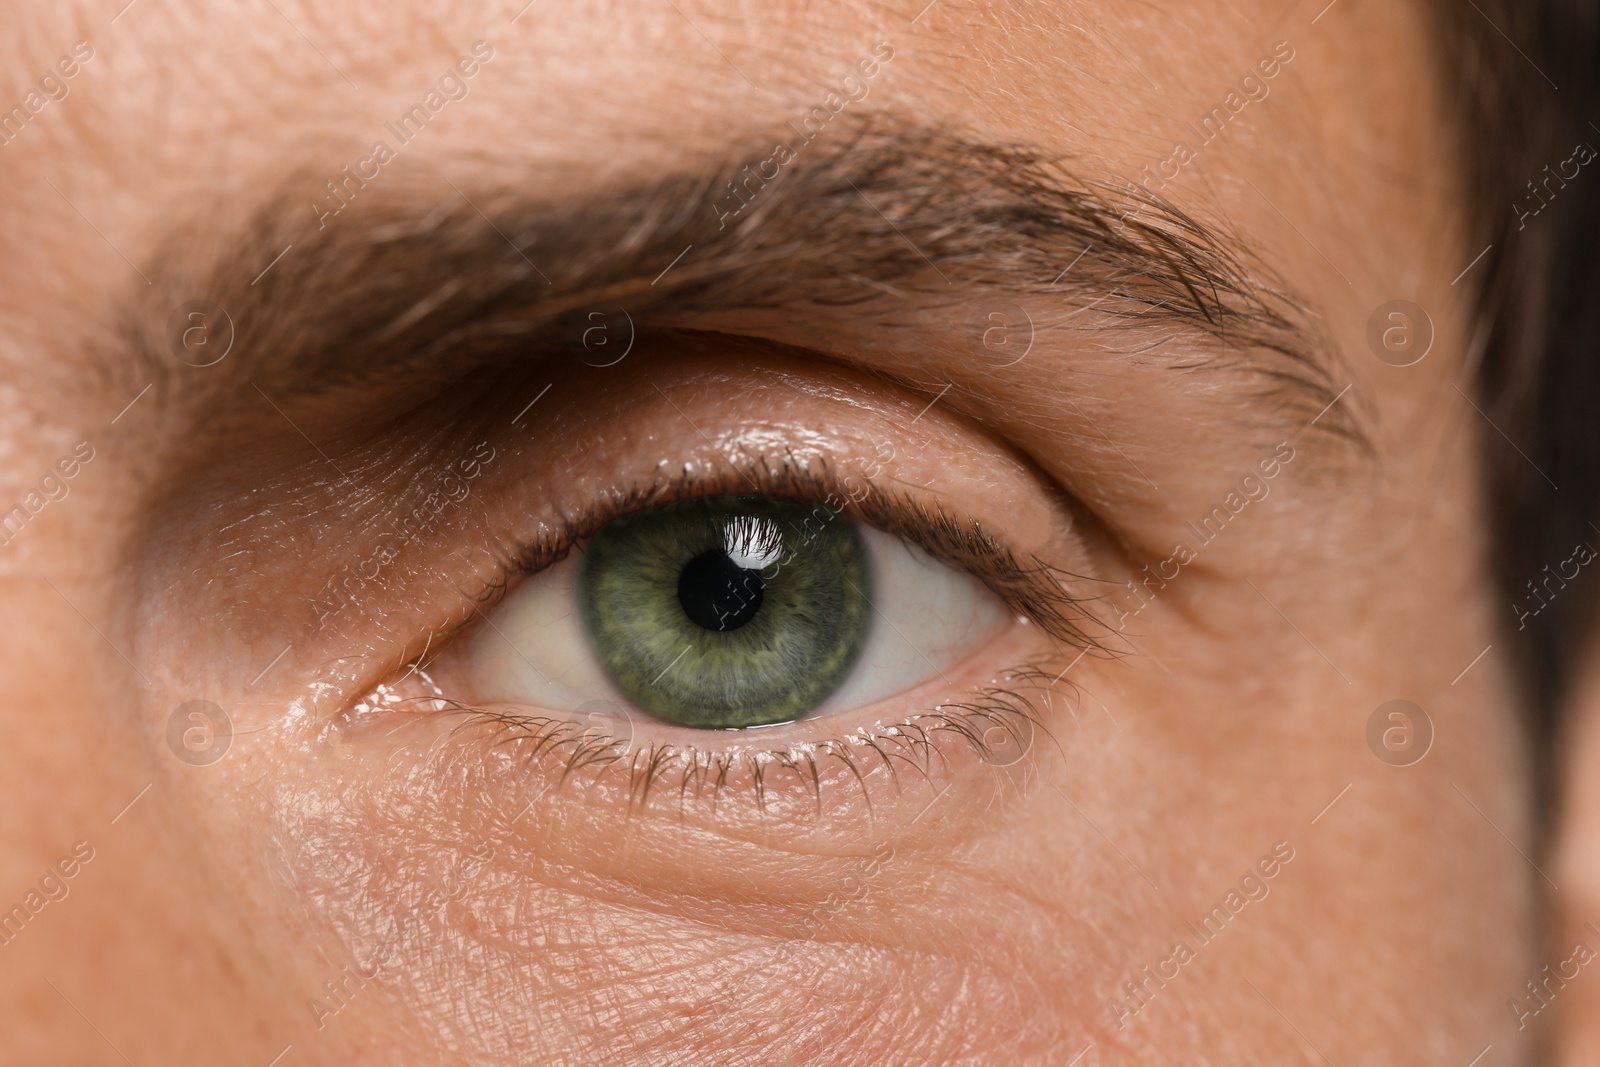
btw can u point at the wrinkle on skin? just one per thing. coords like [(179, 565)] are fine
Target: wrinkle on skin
[(530, 949), (184, 560)]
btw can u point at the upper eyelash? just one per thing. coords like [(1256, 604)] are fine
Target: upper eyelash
[(1035, 589)]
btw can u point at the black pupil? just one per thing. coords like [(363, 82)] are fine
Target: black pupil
[(717, 593)]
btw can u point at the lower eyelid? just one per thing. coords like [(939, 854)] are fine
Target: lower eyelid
[(792, 779)]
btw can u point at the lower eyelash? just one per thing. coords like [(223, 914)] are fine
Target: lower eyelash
[(570, 749)]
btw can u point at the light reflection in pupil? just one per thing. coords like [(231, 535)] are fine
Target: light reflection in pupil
[(717, 593)]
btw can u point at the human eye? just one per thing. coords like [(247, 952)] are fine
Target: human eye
[(762, 624), (723, 625), (712, 628)]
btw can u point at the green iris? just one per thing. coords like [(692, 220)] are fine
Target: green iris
[(727, 611)]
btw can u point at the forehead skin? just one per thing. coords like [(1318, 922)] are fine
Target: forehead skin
[(188, 114)]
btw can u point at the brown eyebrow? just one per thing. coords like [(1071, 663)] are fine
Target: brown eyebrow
[(422, 280)]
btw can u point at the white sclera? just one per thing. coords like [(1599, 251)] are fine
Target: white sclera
[(926, 618)]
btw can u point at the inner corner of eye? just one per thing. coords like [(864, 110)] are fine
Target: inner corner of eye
[(729, 612)]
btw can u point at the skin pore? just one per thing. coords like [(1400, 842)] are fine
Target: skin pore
[(412, 422)]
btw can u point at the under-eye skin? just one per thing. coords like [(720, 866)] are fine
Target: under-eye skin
[(727, 611)]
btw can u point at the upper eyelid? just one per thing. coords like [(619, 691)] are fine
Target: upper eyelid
[(1032, 587), (506, 541)]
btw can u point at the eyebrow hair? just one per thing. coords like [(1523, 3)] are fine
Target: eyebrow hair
[(420, 277)]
